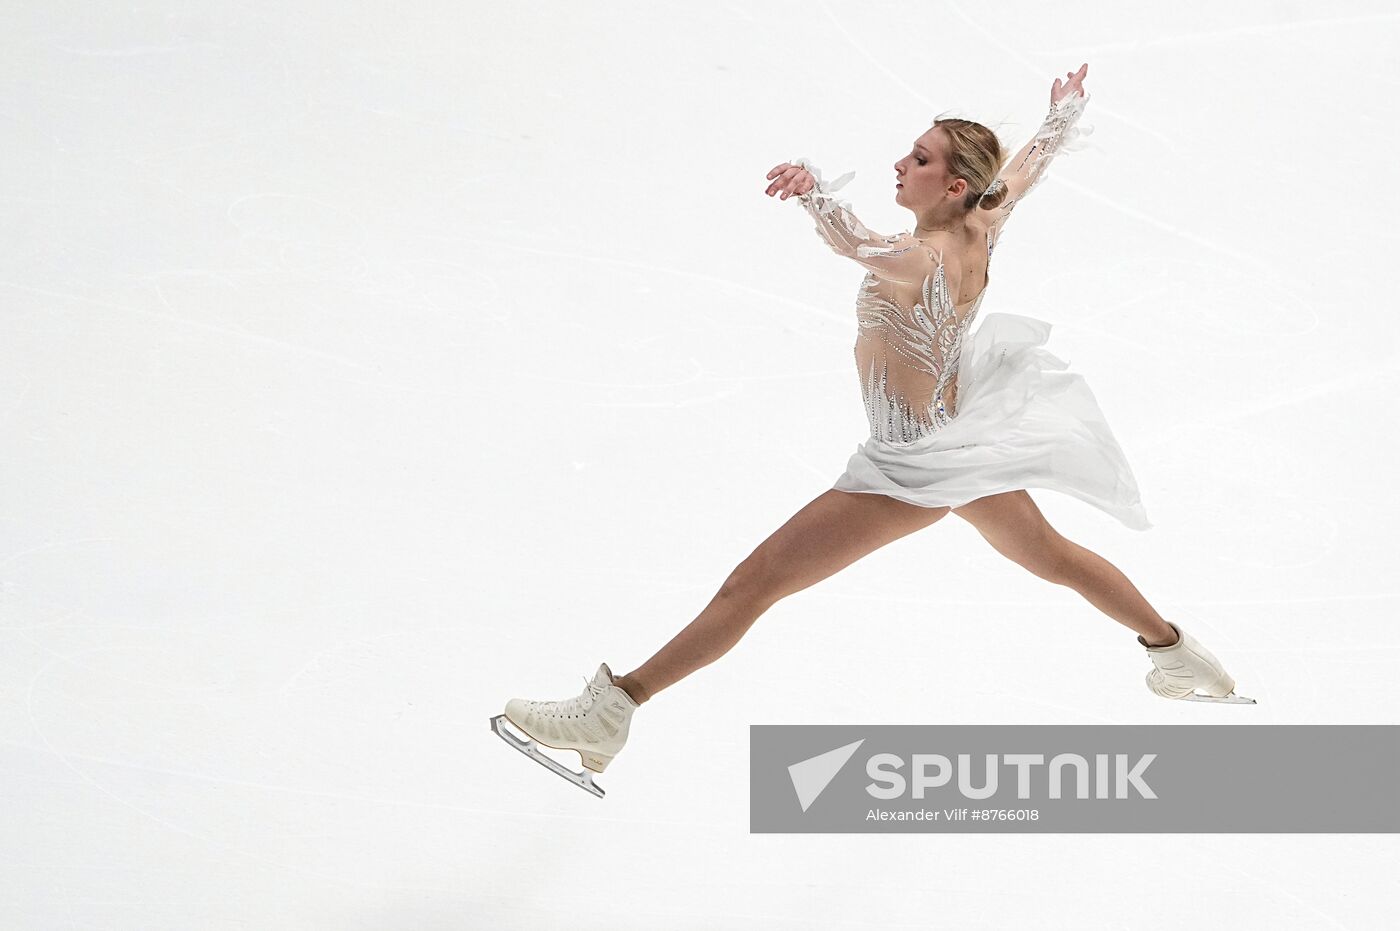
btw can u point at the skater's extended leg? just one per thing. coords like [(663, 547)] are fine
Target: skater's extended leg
[(834, 530), (1014, 526), (1182, 667)]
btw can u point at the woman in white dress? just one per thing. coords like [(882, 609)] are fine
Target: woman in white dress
[(954, 429)]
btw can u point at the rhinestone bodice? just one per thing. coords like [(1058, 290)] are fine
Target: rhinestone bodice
[(907, 354)]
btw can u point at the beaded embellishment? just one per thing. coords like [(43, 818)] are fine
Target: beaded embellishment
[(925, 346)]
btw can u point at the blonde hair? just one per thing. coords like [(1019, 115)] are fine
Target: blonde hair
[(974, 153)]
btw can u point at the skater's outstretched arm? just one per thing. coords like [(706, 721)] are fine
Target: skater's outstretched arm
[(1027, 167), (896, 258)]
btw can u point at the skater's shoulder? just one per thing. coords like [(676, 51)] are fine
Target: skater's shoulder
[(960, 256)]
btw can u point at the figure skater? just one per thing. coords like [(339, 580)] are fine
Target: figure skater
[(951, 432)]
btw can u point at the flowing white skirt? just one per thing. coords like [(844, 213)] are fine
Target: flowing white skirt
[(1022, 422)]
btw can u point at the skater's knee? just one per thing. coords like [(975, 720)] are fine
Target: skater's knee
[(1057, 560), (755, 580), (1042, 552)]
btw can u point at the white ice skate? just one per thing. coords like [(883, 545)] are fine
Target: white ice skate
[(595, 723), (1190, 671)]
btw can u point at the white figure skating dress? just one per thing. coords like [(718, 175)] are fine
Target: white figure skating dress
[(949, 423)]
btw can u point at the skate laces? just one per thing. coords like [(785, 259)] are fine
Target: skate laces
[(577, 703)]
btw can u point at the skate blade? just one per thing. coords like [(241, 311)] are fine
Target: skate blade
[(1229, 699), (583, 780)]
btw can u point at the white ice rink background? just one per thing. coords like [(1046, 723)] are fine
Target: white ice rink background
[(365, 365)]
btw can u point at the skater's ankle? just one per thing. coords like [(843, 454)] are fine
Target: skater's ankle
[(634, 689), (1167, 640)]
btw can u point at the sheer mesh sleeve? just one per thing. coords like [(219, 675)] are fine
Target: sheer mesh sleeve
[(895, 258), (1059, 132)]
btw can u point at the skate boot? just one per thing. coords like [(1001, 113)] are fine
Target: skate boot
[(1190, 671), (595, 723)]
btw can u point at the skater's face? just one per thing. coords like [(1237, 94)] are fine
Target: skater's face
[(923, 175)]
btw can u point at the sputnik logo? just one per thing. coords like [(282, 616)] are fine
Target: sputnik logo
[(810, 777)]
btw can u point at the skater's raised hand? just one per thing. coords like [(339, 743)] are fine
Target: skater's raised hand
[(791, 179), (1075, 83)]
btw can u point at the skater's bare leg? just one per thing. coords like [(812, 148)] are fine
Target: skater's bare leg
[(1014, 526), (834, 530)]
